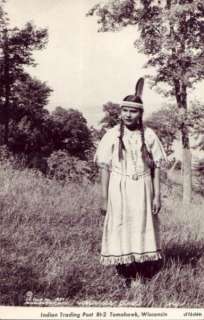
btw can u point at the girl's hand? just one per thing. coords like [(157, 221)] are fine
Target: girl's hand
[(156, 205), (103, 208)]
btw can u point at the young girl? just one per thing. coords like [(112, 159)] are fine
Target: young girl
[(129, 156)]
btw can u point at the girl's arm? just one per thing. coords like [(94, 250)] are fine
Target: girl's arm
[(156, 186), (105, 176)]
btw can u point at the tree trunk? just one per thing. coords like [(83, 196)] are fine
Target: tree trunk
[(6, 88), (187, 176), (186, 161), (181, 97)]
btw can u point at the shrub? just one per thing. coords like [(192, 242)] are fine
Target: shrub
[(64, 167), (5, 154)]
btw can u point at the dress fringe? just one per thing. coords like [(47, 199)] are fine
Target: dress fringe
[(129, 258)]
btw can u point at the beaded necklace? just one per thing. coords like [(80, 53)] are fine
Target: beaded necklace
[(134, 158)]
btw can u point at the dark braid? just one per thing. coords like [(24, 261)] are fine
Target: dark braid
[(146, 155), (121, 143)]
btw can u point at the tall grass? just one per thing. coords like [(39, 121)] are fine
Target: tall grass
[(50, 245)]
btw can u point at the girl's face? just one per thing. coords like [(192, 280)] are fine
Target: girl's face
[(130, 116)]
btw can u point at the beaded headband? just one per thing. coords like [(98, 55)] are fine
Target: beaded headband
[(131, 104)]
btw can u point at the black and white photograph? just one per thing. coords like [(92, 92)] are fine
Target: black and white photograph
[(102, 158)]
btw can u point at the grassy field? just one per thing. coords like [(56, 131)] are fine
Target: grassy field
[(50, 247)]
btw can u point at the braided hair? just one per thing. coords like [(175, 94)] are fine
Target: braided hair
[(121, 143), (146, 155)]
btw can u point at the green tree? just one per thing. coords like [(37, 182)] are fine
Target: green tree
[(29, 97), (112, 115), (166, 123), (195, 120), (16, 52), (29, 132), (170, 33), (70, 132), (110, 119)]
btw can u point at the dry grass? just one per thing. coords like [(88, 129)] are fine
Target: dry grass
[(50, 245)]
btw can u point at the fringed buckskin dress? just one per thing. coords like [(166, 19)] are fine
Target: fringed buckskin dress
[(131, 231)]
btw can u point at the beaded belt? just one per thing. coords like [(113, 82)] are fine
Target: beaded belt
[(134, 176)]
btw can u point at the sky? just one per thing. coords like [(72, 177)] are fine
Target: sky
[(84, 68)]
